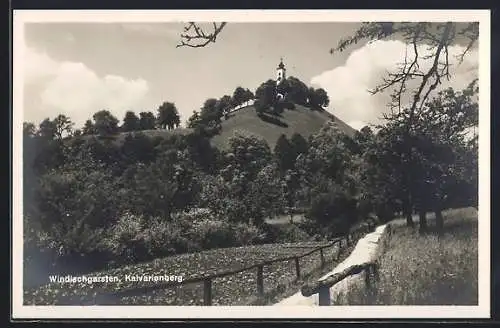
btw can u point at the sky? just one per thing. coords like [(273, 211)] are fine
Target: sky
[(77, 69)]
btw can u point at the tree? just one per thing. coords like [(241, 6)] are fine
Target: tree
[(78, 198), (195, 36), (130, 122), (63, 126), (438, 146), (266, 196), (30, 150), (291, 186), (224, 105), (168, 116), (248, 95), (202, 152), (247, 154), (147, 121), (47, 129), (247, 187), (207, 121), (284, 153), (88, 128), (137, 148), (327, 175), (440, 142), (265, 96), (164, 186), (329, 154), (105, 122), (381, 170), (29, 129), (318, 98), (299, 144), (297, 90), (438, 37), (362, 140), (193, 120), (210, 115), (332, 210), (239, 96)]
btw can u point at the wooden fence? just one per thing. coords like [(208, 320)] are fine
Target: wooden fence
[(370, 269), (207, 280), (323, 286)]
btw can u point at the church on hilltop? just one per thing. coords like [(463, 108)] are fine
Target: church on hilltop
[(280, 73), (280, 77)]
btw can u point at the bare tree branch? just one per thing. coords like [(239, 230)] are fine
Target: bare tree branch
[(437, 38), (471, 32), (199, 38)]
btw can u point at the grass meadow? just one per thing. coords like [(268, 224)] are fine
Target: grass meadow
[(420, 269)]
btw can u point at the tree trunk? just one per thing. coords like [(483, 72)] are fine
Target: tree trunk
[(422, 216), (407, 212), (409, 220), (439, 221)]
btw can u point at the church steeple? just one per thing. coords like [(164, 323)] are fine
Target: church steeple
[(280, 72), (281, 65)]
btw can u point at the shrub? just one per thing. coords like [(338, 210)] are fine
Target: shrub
[(40, 252), (126, 239), (65, 249), (212, 234), (285, 233), (332, 213), (205, 231), (246, 234), (164, 238)]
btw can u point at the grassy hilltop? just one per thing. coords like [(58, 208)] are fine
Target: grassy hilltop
[(301, 120)]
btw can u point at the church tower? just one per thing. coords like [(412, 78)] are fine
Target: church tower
[(280, 72)]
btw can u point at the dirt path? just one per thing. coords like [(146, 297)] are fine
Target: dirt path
[(365, 250)]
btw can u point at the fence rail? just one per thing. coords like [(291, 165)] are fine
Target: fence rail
[(207, 280), (370, 269), (322, 287)]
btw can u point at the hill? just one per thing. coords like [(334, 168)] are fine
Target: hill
[(300, 120), (245, 120)]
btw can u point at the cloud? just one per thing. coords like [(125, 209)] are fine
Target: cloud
[(73, 89), (38, 67), (348, 85), (172, 30)]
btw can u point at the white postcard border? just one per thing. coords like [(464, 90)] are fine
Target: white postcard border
[(19, 311)]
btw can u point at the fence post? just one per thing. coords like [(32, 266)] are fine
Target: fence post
[(375, 271), (297, 267), (387, 236), (260, 280), (371, 276), (207, 291), (367, 277), (322, 258), (324, 295)]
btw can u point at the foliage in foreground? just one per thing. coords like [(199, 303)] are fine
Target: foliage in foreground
[(426, 270)]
